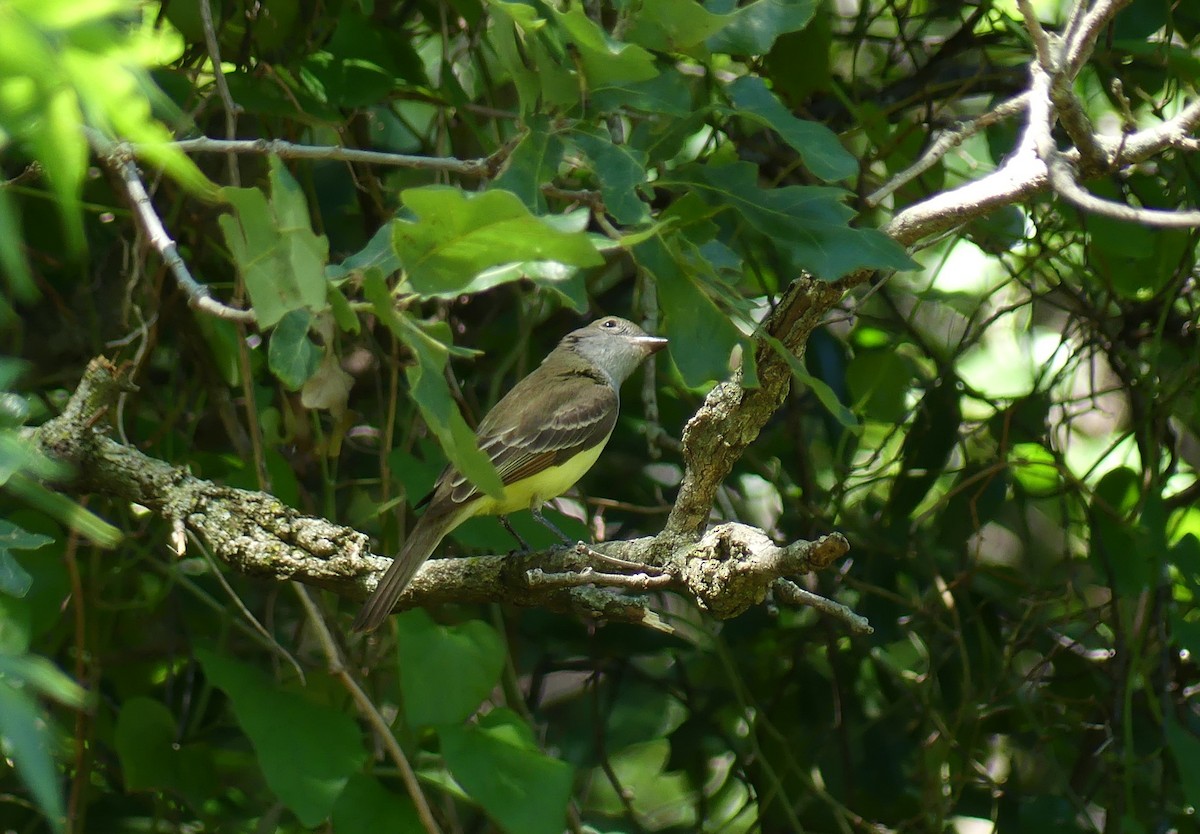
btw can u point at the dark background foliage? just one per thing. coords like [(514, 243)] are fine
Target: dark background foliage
[(1017, 481)]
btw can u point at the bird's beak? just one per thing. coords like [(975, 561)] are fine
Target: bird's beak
[(650, 344)]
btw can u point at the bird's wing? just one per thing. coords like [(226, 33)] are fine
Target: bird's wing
[(573, 419)]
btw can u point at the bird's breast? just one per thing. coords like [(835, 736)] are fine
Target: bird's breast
[(537, 489)]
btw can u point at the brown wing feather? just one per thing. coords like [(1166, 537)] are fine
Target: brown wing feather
[(557, 432)]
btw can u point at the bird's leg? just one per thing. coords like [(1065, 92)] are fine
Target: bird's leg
[(536, 510), (512, 531)]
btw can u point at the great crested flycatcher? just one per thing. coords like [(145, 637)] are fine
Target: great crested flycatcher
[(542, 437)]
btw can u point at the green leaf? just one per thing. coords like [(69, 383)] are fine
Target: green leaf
[(27, 741), (153, 759), (817, 145), (291, 355), (534, 56), (604, 60), (701, 337), (280, 258), (879, 382), (58, 506), (809, 224), (534, 162), (427, 381), (307, 752), (660, 798), (367, 807), (674, 25), (457, 237), (523, 790), (18, 279), (668, 94), (378, 254), (1034, 468), (756, 25), (446, 671), (14, 579), (620, 171), (821, 390), (13, 537), (362, 62), (38, 673)]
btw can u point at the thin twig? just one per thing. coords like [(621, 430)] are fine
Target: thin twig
[(231, 108), (152, 226), (337, 668), (1083, 41), (793, 594), (1064, 184), (538, 578), (948, 141), (288, 150), (246, 613), (1041, 39)]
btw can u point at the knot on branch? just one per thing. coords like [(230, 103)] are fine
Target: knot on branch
[(733, 565)]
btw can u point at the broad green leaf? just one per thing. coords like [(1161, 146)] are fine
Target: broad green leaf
[(13, 266), (367, 807), (280, 258), (445, 671), (456, 237), (702, 337), (27, 742), (533, 162), (1033, 467), (810, 225), (13, 537), (535, 57), (39, 674), (755, 26), (14, 579), (362, 62), (378, 254), (620, 171), (60, 507), (674, 25), (878, 383), (291, 355), (668, 94), (604, 60), (154, 759), (817, 145), (307, 752), (522, 789), (427, 381), (665, 800)]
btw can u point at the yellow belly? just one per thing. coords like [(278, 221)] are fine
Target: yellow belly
[(536, 490)]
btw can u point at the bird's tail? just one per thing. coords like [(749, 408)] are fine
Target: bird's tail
[(424, 538)]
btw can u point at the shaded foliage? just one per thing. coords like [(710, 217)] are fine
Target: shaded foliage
[(1017, 479)]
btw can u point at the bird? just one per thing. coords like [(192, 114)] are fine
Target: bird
[(542, 436)]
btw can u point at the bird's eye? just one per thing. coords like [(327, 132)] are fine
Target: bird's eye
[(609, 323)]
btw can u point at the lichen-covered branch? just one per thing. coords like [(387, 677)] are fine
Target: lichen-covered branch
[(731, 568)]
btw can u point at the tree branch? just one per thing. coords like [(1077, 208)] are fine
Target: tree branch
[(728, 570)]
